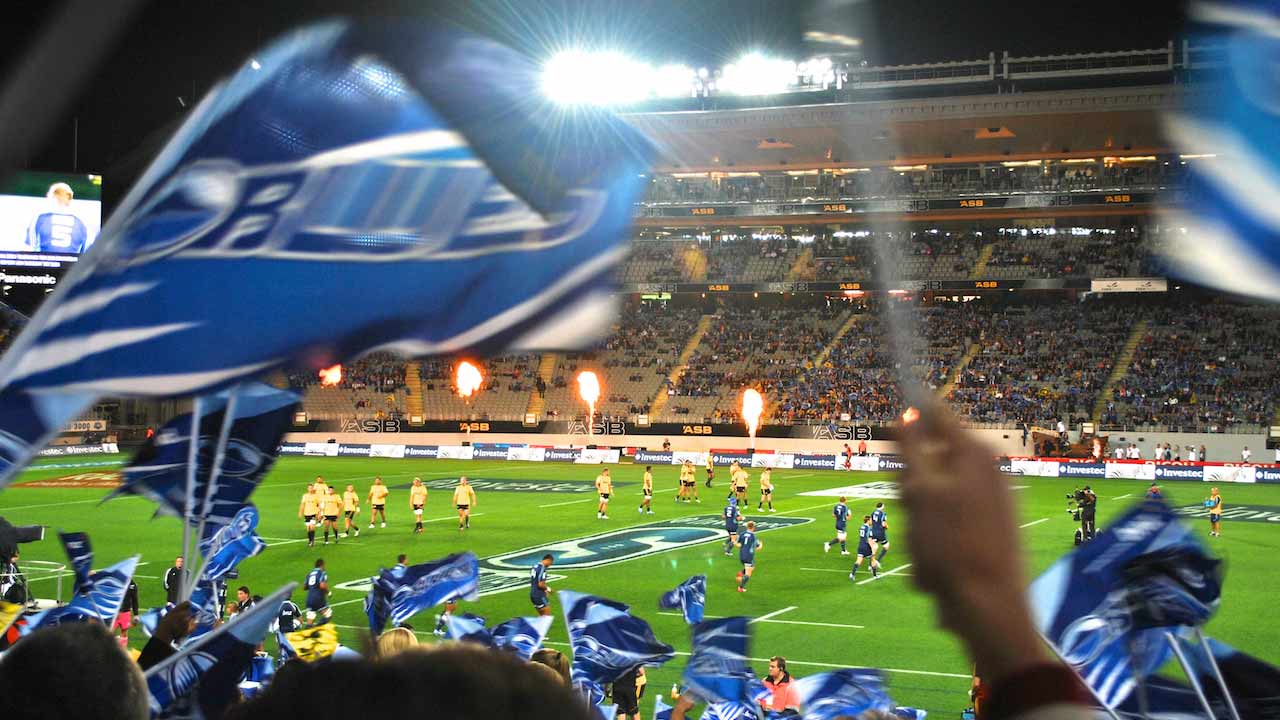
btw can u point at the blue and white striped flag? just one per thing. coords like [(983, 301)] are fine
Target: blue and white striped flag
[(522, 636), (232, 544), (201, 679), (690, 596), (399, 594), (661, 710), (80, 553), (1179, 587), (359, 186), (102, 601), (842, 693), (731, 711), (1229, 228), (466, 627), (718, 671), (607, 640)]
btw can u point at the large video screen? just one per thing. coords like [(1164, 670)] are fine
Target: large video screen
[(57, 213)]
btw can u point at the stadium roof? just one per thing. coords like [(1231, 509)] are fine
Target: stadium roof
[(1071, 123)]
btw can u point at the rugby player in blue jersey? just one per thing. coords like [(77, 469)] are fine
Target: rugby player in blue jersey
[(866, 549), (841, 513), (748, 545)]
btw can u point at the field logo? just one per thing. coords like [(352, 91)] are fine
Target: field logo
[(1235, 513), (504, 485), (81, 480), (882, 489)]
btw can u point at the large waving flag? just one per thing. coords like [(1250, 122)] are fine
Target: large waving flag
[(690, 596), (465, 627), (661, 710), (313, 643), (718, 671), (1175, 587), (1254, 684), (101, 602), (1083, 607), (351, 189), (607, 640), (731, 711), (522, 636), (200, 680), (843, 693), (1230, 225), (231, 544), (398, 594), (80, 553)]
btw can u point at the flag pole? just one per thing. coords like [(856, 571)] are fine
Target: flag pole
[(1217, 674), (193, 444), (224, 434), (1097, 698), (1191, 675)]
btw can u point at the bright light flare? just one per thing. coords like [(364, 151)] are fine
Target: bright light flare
[(331, 376), (752, 408), (589, 387), (578, 77), (910, 415), (468, 379), (756, 74)]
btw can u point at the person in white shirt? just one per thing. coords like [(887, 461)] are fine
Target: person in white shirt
[(1278, 456), (1191, 455), (1245, 454), (1062, 430), (1119, 452)]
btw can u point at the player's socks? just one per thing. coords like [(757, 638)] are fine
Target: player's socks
[(853, 573), (842, 547), (875, 571), (311, 536), (883, 551), (745, 579)]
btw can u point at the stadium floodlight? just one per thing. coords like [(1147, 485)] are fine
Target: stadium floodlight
[(580, 77), (673, 81), (756, 74)]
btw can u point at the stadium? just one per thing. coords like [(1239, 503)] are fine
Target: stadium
[(974, 301)]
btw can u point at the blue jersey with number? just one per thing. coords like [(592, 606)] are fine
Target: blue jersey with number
[(864, 540), (841, 511), (731, 517), (877, 523), (537, 575), (58, 232), (747, 554), (315, 594)]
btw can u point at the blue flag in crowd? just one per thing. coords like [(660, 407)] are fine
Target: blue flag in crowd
[(842, 693), (101, 601), (661, 710), (158, 471), (730, 711), (690, 596), (466, 627), (1231, 238), (1175, 587), (232, 543), (80, 553), (212, 665), (1254, 683), (204, 605), (523, 635), (606, 712), (909, 713), (717, 671), (1083, 607), (348, 190), (399, 594), (607, 640)]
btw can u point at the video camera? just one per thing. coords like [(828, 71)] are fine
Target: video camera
[(1083, 503)]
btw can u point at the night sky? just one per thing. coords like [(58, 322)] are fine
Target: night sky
[(173, 50)]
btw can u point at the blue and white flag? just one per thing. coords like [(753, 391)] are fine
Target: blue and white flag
[(1254, 683), (607, 640), (232, 543), (842, 693), (1083, 607), (348, 190), (102, 601), (606, 712), (201, 679), (661, 710), (204, 606), (466, 627), (399, 594), (717, 671), (1176, 587), (731, 711), (522, 636), (690, 596), (909, 713), (158, 471), (80, 553), (1229, 231)]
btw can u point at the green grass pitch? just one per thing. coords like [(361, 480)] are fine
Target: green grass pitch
[(804, 606)]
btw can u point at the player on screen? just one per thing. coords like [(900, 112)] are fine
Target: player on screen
[(464, 498), (866, 549), (646, 491), (331, 506), (731, 520), (539, 592), (57, 229), (378, 502), (880, 529), (350, 508), (841, 514), (417, 501), (604, 488), (748, 545), (766, 489), (711, 468), (1214, 503), (307, 510)]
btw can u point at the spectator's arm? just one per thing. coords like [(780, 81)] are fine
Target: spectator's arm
[(174, 626)]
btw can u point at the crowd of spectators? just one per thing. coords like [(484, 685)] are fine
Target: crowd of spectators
[(376, 371), (763, 259)]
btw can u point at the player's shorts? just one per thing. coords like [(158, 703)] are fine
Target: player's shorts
[(464, 507), (378, 507), (748, 563), (417, 509), (766, 491), (882, 538), (539, 600), (628, 703), (740, 489), (309, 518), (688, 483), (331, 518), (731, 530), (864, 551), (648, 493), (841, 535), (604, 497), (1215, 517), (123, 621), (350, 514), (711, 472)]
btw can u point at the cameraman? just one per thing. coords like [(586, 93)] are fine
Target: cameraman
[(1088, 502)]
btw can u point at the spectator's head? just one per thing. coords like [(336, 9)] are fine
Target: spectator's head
[(177, 562), (459, 682), (242, 593), (64, 671), (555, 660), (395, 641), (778, 668)]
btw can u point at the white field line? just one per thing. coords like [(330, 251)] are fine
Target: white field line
[(782, 622), (773, 614), (886, 574), (69, 502), (571, 502), (834, 570), (1033, 522), (1121, 497)]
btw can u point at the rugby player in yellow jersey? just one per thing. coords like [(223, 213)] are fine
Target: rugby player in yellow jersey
[(686, 480), (320, 487), (1214, 503), (766, 489), (740, 479), (464, 498), (307, 510), (604, 488), (711, 468), (378, 501), (350, 508), (331, 505), (646, 490), (417, 500)]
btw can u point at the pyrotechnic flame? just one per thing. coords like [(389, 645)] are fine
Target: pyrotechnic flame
[(910, 415), (468, 379), (589, 387), (752, 407), (331, 376)]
